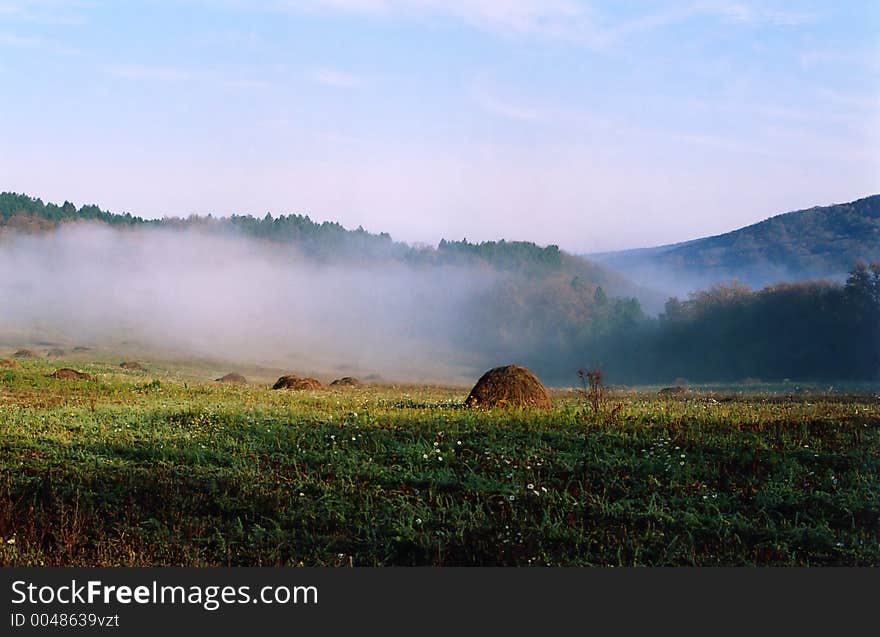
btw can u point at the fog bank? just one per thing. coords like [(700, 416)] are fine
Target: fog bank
[(237, 299)]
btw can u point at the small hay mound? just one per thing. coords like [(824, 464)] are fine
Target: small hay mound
[(510, 386), (678, 390), (300, 383), (10, 364), (346, 381), (132, 366), (66, 373), (232, 379), (25, 353), (56, 353)]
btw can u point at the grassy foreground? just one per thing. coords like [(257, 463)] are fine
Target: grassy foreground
[(142, 468)]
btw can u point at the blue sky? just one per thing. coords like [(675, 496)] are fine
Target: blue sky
[(592, 125)]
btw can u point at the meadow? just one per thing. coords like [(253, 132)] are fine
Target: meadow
[(159, 467)]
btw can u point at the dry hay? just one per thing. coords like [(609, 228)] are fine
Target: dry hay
[(346, 381), (9, 363), (56, 353), (132, 366), (510, 386), (232, 378), (293, 381), (25, 353), (678, 390), (65, 373)]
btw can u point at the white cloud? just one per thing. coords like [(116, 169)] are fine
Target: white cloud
[(505, 108), (749, 13), (865, 101), (865, 59), (67, 12), (11, 39), (337, 79), (220, 79), (245, 84), (568, 20), (138, 72), (31, 42)]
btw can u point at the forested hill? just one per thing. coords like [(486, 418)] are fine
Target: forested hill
[(331, 242), (27, 214), (821, 242), (555, 312)]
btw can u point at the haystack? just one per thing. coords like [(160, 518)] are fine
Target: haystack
[(25, 353), (8, 363), (232, 378), (678, 390), (293, 381), (510, 386), (132, 366), (66, 373), (346, 381), (56, 353)]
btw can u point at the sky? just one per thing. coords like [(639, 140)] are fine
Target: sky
[(591, 125)]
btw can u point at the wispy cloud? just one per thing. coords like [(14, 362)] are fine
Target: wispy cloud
[(754, 13), (337, 79), (245, 83), (139, 72), (865, 101), (507, 109), (574, 21), (210, 77), (36, 43), (731, 13), (11, 39), (70, 12), (725, 144), (864, 59), (566, 19), (546, 18)]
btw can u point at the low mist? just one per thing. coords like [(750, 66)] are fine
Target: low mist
[(236, 299)]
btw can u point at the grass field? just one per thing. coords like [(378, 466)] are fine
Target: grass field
[(158, 468)]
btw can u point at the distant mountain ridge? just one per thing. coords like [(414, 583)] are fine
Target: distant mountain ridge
[(816, 243)]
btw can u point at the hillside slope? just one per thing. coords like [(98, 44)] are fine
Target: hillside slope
[(820, 242)]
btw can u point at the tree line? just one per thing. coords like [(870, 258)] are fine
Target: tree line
[(322, 241), (809, 331), (558, 313)]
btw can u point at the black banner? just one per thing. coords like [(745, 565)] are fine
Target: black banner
[(414, 601)]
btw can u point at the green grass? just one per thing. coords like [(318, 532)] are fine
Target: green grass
[(149, 468)]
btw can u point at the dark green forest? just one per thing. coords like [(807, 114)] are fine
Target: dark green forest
[(815, 330), (324, 241), (557, 313), (809, 331)]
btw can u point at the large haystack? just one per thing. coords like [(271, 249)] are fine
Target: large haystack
[(66, 373), (132, 366), (25, 353), (293, 381), (346, 381), (232, 379), (9, 363), (510, 386)]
